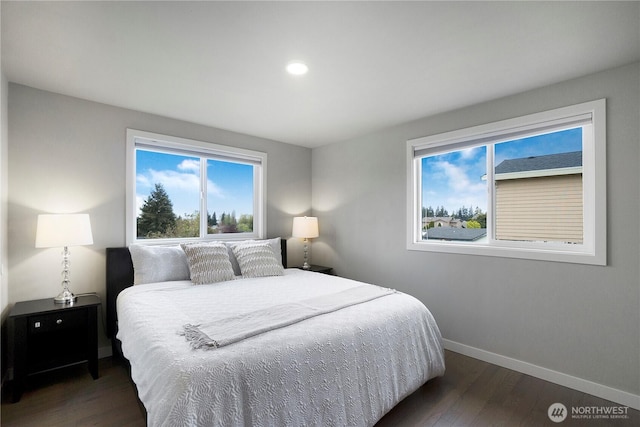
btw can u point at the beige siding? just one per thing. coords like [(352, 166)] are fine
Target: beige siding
[(540, 209)]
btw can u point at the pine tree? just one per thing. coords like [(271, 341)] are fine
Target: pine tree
[(156, 218), (441, 212), (228, 223), (427, 212)]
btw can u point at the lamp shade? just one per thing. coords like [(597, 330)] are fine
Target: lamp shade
[(57, 230), (305, 227)]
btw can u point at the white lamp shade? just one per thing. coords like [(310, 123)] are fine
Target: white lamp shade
[(57, 230), (305, 227)]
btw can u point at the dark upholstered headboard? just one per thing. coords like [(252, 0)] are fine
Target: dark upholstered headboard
[(120, 277)]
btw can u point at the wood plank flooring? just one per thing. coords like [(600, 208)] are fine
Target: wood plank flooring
[(70, 397), (471, 393), (476, 393)]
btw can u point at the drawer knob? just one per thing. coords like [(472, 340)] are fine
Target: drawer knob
[(59, 321)]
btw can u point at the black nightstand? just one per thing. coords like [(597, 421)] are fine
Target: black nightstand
[(44, 335), (320, 269)]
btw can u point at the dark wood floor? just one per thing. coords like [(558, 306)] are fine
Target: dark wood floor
[(70, 397), (476, 393), (472, 393)]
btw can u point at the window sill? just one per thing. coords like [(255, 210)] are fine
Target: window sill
[(578, 256)]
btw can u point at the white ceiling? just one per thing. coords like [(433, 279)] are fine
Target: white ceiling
[(372, 64)]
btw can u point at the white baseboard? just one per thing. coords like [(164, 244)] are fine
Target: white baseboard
[(585, 386)]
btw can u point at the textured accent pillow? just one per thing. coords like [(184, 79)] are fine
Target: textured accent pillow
[(257, 259), (274, 243), (158, 264), (208, 262)]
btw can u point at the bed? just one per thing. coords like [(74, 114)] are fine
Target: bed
[(347, 365)]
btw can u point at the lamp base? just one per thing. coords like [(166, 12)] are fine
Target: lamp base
[(65, 297)]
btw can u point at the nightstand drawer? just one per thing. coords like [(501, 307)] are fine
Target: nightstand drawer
[(57, 321)]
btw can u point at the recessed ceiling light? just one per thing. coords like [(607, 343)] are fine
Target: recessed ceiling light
[(297, 68)]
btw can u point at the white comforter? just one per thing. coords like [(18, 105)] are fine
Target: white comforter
[(349, 367)]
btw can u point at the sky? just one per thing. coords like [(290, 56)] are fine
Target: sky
[(229, 185), (454, 179)]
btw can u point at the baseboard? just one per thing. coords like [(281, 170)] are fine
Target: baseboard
[(585, 386)]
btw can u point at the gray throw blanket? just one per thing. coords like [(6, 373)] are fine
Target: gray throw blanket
[(236, 328)]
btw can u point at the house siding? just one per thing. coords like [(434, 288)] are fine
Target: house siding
[(540, 209)]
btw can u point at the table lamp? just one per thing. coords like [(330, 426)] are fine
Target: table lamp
[(305, 227), (63, 230)]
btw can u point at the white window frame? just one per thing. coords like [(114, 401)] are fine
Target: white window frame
[(594, 247), (171, 144)]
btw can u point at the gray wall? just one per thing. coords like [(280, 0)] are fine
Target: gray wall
[(68, 155), (4, 168), (4, 173), (583, 321)]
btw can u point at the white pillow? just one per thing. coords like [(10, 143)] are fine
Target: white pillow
[(274, 243), (158, 264), (257, 259), (208, 262)]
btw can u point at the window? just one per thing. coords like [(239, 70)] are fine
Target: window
[(172, 181), (530, 187)]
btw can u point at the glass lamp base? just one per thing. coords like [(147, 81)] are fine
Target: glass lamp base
[(305, 265), (65, 297)]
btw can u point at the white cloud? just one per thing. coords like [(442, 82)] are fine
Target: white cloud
[(143, 181), (456, 177), (468, 153), (139, 203), (462, 191), (171, 180), (214, 190), (182, 186), (190, 165)]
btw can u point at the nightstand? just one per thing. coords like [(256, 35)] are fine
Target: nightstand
[(320, 269), (44, 335)]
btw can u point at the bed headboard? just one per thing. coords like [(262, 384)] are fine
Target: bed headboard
[(120, 277)]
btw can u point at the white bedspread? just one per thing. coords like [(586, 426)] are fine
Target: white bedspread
[(349, 367)]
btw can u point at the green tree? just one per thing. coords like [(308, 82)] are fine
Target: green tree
[(426, 212), (473, 224), (228, 223), (156, 215), (245, 223), (441, 212), (187, 226), (482, 219), (212, 220)]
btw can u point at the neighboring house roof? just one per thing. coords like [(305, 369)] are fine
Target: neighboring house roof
[(549, 161), (450, 233), (446, 219)]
